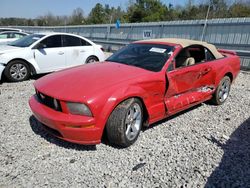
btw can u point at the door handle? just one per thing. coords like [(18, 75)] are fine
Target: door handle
[(82, 50), (60, 53), (206, 70)]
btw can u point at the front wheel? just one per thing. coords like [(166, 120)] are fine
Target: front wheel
[(222, 91), (17, 71), (124, 124)]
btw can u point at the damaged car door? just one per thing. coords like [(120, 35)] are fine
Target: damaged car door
[(190, 81)]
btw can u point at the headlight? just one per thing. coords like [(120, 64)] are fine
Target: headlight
[(78, 109)]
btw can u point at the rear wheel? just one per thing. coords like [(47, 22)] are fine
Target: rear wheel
[(222, 91), (17, 71), (91, 59), (124, 124)]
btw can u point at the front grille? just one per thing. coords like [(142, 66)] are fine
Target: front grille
[(48, 101)]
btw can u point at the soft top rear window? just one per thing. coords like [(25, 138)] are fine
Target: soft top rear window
[(151, 57)]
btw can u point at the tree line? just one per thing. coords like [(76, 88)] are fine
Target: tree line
[(140, 11)]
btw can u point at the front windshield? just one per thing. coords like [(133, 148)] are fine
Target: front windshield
[(151, 57), (27, 40)]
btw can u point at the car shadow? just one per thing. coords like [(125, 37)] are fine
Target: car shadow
[(37, 76), (145, 128), (32, 77), (234, 168), (38, 128), (2, 80)]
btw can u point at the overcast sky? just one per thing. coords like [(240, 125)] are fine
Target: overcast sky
[(34, 8)]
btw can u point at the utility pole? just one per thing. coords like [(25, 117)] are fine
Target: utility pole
[(205, 24), (111, 18)]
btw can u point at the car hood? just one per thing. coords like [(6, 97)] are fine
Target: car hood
[(8, 48), (83, 82)]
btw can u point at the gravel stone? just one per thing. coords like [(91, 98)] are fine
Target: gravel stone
[(207, 146)]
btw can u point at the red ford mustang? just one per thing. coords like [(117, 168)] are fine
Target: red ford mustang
[(142, 83)]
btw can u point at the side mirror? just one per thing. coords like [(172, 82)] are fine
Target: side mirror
[(40, 46), (171, 66)]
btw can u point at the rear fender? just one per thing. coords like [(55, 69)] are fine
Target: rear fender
[(226, 69), (230, 65)]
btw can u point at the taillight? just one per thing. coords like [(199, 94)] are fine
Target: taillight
[(102, 49)]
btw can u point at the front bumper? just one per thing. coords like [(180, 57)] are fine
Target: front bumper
[(2, 67), (72, 128)]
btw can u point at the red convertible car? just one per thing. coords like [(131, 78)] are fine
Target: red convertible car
[(140, 84)]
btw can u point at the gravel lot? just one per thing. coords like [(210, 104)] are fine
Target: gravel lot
[(206, 146)]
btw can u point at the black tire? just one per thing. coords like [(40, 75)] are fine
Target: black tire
[(222, 91), (91, 59), (118, 123), (20, 67)]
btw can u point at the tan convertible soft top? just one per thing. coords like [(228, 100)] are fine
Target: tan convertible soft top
[(186, 42)]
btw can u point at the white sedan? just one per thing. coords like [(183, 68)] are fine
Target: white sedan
[(10, 36), (46, 52)]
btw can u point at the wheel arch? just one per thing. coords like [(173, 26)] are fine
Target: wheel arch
[(230, 75), (145, 110), (32, 68), (92, 56), (118, 102), (225, 71)]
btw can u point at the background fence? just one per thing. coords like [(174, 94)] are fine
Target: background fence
[(233, 33)]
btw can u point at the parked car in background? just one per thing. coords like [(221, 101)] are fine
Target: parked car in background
[(46, 52), (2, 29), (141, 84), (10, 36)]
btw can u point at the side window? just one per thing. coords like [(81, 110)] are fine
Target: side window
[(209, 55), (193, 55), (198, 53), (11, 35), (71, 41), (85, 43), (18, 35), (3, 36), (52, 42), (185, 58)]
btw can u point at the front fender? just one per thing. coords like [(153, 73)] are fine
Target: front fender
[(2, 67), (5, 58), (117, 97), (24, 55)]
